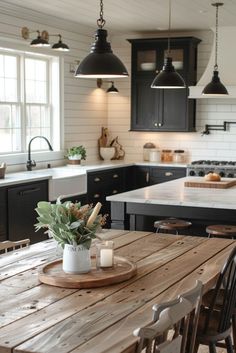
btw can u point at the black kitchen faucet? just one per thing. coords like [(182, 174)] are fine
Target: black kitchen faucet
[(31, 163)]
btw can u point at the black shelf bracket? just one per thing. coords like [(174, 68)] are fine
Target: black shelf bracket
[(223, 127)]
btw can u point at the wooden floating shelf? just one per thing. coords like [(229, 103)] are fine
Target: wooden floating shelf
[(122, 270)]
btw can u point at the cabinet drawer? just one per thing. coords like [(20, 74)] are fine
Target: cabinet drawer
[(105, 181), (162, 174)]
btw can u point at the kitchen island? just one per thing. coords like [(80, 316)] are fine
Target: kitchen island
[(136, 210)]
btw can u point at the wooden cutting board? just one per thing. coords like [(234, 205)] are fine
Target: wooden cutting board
[(202, 183)]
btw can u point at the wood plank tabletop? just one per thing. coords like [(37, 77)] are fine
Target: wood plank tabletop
[(39, 318)]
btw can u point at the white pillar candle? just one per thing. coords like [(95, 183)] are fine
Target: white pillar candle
[(106, 257)]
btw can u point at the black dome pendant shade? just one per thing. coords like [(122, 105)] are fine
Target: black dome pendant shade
[(39, 41), (215, 87), (168, 77), (112, 89), (101, 62), (60, 46)]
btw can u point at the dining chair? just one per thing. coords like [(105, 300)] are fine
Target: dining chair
[(194, 296), (217, 313), (13, 245), (170, 320)]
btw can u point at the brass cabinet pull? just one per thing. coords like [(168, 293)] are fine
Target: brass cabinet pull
[(168, 174), (97, 179), (147, 177), (96, 196), (114, 192), (115, 176)]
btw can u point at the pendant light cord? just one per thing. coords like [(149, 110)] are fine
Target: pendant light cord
[(168, 51), (101, 22), (216, 49)]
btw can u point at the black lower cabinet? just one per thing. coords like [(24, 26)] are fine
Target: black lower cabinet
[(141, 177), (146, 176), (104, 183), (163, 174), (3, 214), (22, 201)]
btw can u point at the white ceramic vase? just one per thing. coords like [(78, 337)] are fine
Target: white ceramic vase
[(76, 259), (107, 153)]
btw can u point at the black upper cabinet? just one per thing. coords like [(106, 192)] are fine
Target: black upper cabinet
[(159, 109)]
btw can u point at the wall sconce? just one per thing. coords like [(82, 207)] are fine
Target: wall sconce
[(111, 89), (42, 39)]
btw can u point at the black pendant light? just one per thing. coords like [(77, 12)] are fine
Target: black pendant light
[(60, 46), (112, 89), (215, 87), (168, 77), (101, 62)]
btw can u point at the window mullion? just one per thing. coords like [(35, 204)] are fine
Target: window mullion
[(23, 105)]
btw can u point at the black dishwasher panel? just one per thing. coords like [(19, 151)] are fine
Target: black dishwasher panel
[(22, 201)]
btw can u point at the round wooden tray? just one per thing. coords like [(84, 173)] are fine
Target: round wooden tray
[(122, 270)]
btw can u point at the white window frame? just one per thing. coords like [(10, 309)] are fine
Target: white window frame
[(56, 69)]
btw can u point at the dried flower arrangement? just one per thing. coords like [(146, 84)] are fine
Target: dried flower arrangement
[(70, 223)]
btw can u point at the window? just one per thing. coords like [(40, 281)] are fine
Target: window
[(29, 101)]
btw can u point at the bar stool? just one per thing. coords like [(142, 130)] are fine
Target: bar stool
[(221, 231), (171, 225)]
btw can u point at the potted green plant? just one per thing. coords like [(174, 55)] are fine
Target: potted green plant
[(73, 226), (76, 153)]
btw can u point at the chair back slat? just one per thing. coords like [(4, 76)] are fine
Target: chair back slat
[(169, 334), (227, 281), (13, 245)]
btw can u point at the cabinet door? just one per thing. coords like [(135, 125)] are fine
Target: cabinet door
[(141, 177), (22, 201), (3, 214), (174, 110), (146, 105), (156, 109)]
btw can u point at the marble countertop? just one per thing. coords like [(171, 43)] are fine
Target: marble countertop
[(174, 193), (70, 170)]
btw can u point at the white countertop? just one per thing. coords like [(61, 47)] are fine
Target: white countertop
[(70, 170), (174, 193)]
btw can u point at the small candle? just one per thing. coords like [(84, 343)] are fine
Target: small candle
[(106, 257), (105, 254)]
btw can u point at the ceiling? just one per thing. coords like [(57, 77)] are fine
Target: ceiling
[(136, 15)]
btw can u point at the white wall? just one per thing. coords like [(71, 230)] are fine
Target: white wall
[(85, 106), (217, 145)]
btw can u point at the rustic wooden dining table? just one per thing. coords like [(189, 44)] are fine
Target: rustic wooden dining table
[(40, 318)]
